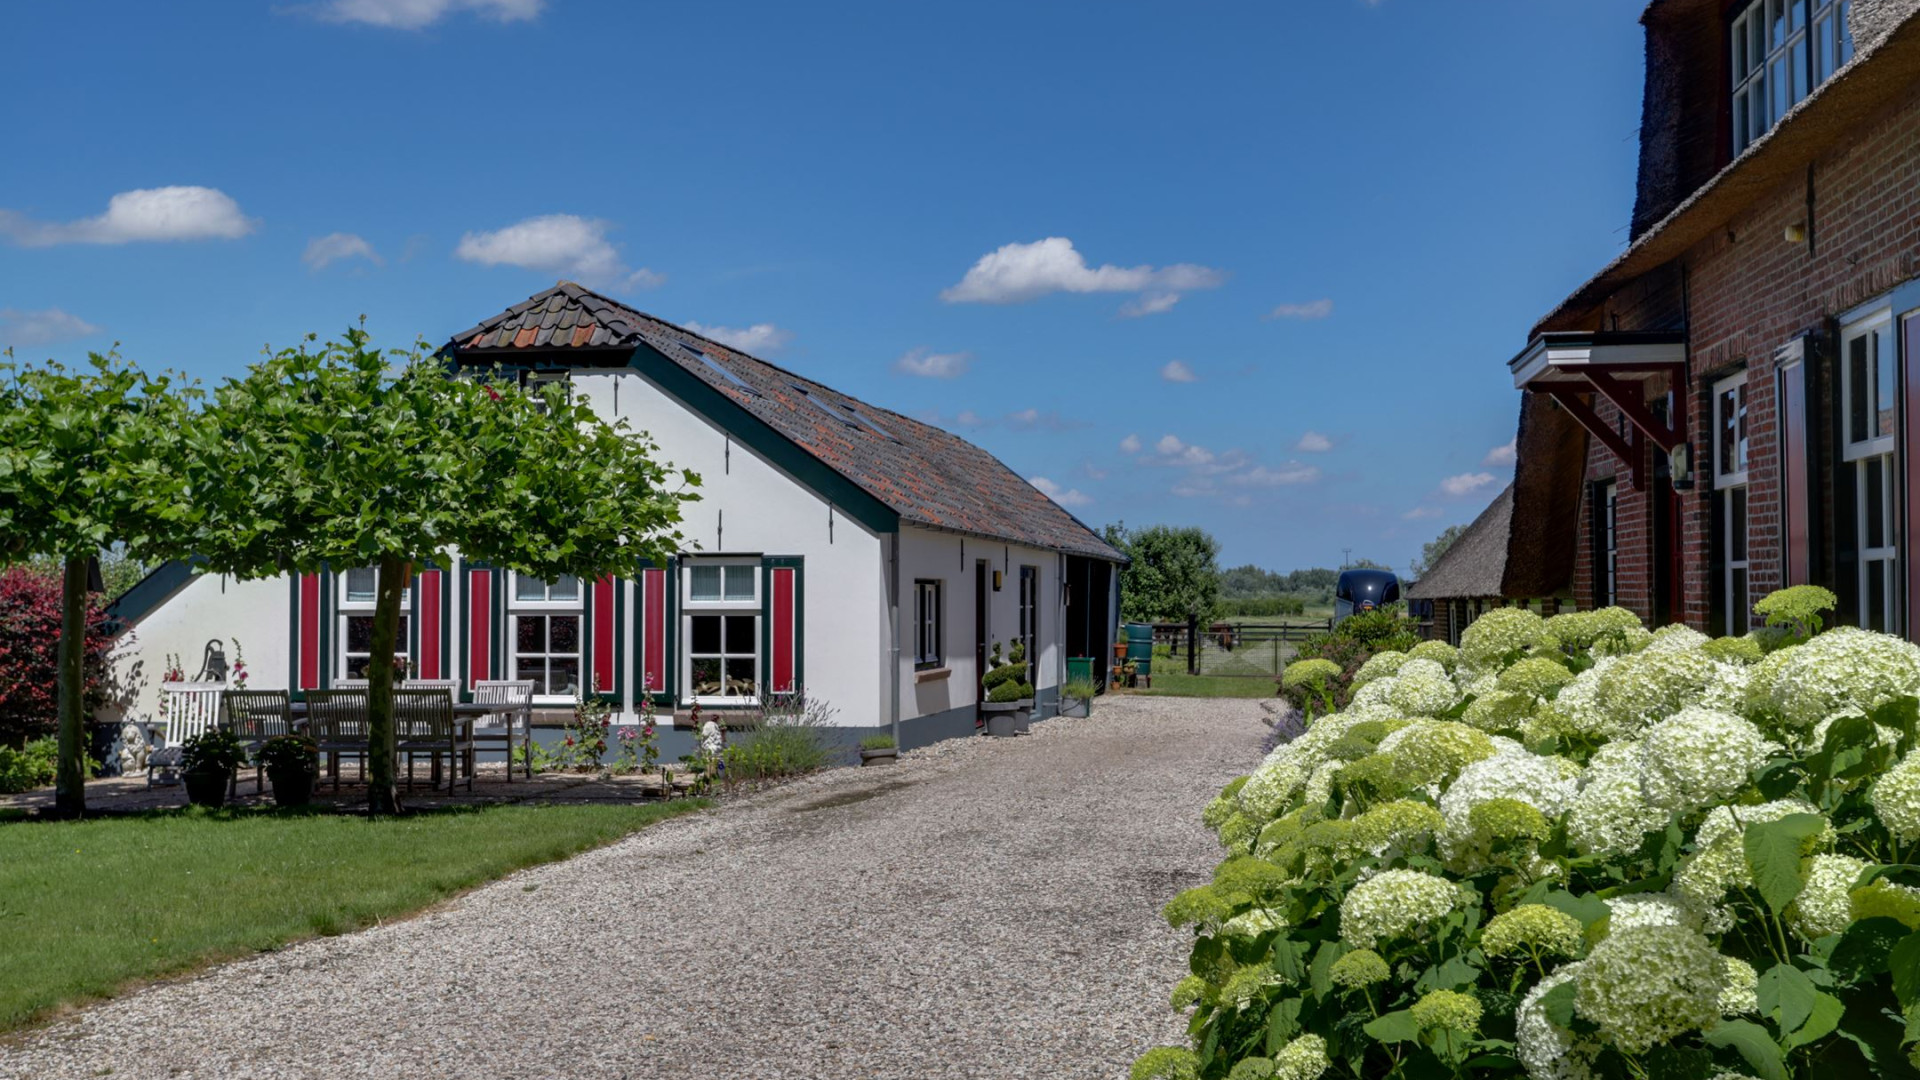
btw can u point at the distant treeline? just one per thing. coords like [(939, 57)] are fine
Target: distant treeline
[(1262, 606)]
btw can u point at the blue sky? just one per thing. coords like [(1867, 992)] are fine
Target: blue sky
[(1255, 267)]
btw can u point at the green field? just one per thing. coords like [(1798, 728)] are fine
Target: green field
[(1181, 684), (89, 907)]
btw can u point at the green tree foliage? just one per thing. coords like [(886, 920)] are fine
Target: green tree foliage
[(342, 455), (1174, 573), (89, 457), (1431, 551)]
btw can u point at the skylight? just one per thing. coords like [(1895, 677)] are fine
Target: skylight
[(822, 404), (877, 429), (718, 369)]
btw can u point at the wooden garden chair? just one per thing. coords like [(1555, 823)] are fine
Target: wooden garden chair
[(254, 716), (190, 708), (424, 723), (514, 716), (337, 722)]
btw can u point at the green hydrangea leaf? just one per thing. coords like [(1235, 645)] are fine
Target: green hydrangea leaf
[(1864, 949), (1786, 996), (1754, 1046), (1821, 1022), (1394, 1027), (1679, 1063), (1904, 962), (1773, 850), (1557, 1003), (1283, 1023)]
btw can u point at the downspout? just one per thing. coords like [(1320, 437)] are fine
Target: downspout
[(1060, 621), (893, 634)]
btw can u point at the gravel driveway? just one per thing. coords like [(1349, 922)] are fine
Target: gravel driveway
[(985, 908)]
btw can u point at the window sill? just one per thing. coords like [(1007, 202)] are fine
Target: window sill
[(938, 674)]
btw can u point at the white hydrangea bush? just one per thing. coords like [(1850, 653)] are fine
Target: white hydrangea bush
[(1574, 848)]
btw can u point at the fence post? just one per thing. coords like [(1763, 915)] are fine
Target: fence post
[(1193, 644)]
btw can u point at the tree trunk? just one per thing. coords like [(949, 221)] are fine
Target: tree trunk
[(383, 791), (70, 775)]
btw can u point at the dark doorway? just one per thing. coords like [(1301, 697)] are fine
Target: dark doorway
[(981, 586)]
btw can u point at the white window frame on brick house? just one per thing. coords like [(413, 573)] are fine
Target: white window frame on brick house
[(1869, 420), (358, 589), (1731, 449), (537, 612), (725, 590), (1778, 52), (1607, 564)]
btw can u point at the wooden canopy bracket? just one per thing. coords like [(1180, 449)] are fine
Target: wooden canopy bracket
[(1626, 397), (1629, 452)]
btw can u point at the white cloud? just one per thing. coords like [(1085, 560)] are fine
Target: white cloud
[(41, 327), (1178, 371), (1312, 309), (1063, 496), (333, 247), (147, 214), (1171, 451), (1285, 475), (557, 243), (1149, 304), (414, 14), (1465, 483), (1421, 513), (1019, 272), (928, 364), (1505, 454), (1130, 444), (1313, 443), (758, 338)]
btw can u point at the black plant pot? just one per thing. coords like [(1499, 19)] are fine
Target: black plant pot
[(207, 787), (291, 786)]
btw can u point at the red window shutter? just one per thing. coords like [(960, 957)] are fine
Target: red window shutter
[(653, 632), (603, 635), (431, 662), (479, 626), (784, 631), (309, 631)]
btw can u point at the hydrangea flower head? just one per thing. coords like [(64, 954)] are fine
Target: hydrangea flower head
[(1437, 651), (1502, 710), (1499, 634), (1840, 670), (1434, 751), (1359, 968), (1742, 993), (1735, 650), (1447, 1009), (1379, 665), (1537, 675), (1535, 929), (1698, 757), (1310, 672), (1648, 687), (1650, 984), (1675, 637), (1402, 825), (1585, 629), (1551, 1052), (1609, 816), (1825, 906), (1305, 1058), (1422, 688), (1896, 798), (1719, 860), (1395, 904)]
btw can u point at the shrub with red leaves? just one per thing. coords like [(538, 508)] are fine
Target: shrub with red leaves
[(29, 649)]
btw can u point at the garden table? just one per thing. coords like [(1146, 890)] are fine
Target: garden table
[(465, 715)]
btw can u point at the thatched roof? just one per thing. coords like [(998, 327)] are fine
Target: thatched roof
[(1548, 476), (1477, 562)]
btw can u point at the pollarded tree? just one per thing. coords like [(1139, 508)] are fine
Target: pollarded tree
[(1173, 572), (342, 455), (88, 458)]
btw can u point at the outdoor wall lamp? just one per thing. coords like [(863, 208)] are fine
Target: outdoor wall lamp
[(996, 580), (1795, 234), (1680, 466)]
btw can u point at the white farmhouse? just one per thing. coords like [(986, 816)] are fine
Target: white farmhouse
[(866, 556)]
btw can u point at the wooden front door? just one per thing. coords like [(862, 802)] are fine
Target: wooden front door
[(982, 585)]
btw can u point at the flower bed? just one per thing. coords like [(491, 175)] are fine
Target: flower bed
[(1572, 849)]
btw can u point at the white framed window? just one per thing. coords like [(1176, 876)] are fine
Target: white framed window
[(544, 634), (928, 625), (358, 590), (720, 630), (1607, 564), (1868, 358), (1779, 51), (1730, 450)]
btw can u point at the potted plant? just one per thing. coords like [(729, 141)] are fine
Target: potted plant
[(1076, 698), (207, 762), (292, 763), (878, 750), (1009, 704)]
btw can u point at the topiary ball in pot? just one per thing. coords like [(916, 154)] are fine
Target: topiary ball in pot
[(292, 763), (207, 762)]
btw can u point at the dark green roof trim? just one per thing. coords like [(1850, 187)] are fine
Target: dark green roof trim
[(151, 591), (757, 435)]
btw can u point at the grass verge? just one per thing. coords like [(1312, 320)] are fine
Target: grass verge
[(1180, 684), (88, 907)]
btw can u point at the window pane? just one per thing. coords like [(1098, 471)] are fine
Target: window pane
[(1780, 82), (1740, 617), (1884, 398), (1737, 525), (358, 666), (1823, 57), (1857, 390), (1724, 407), (740, 634), (530, 633), (1740, 428), (705, 583), (563, 633), (1798, 62), (563, 675), (1757, 38), (567, 587), (1846, 32), (1757, 110), (706, 634), (359, 633), (740, 677), (1739, 54), (528, 588), (1872, 471), (1776, 23), (706, 675), (1796, 14), (1876, 598), (739, 583), (360, 585)]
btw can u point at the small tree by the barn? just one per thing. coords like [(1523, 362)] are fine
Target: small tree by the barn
[(343, 455), (88, 458)]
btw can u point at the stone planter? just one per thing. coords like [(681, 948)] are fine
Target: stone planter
[(1076, 707), (886, 756), (207, 787), (1006, 719), (292, 787)]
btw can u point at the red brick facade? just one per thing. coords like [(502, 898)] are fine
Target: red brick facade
[(1742, 294)]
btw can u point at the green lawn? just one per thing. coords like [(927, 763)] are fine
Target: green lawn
[(87, 907), (1181, 684)]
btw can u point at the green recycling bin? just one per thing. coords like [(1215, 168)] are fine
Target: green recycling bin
[(1079, 669)]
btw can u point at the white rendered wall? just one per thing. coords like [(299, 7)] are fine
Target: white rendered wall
[(949, 559), (749, 506), (208, 606)]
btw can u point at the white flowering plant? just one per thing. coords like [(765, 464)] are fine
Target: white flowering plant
[(1575, 850)]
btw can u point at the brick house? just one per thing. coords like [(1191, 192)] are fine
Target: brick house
[(1742, 384)]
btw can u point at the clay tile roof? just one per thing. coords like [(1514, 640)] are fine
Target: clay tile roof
[(928, 476)]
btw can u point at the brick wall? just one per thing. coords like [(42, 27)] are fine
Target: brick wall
[(1745, 292)]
